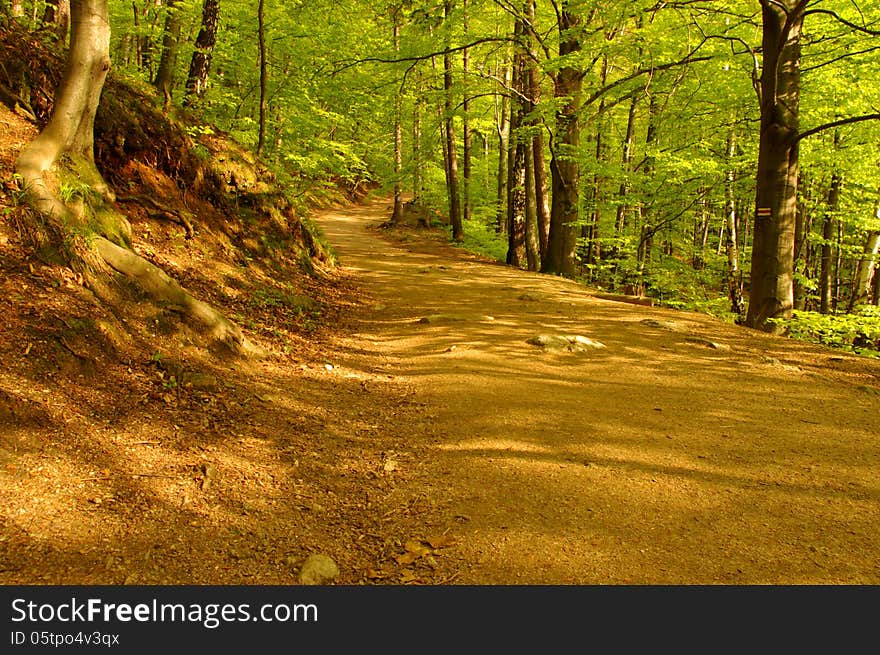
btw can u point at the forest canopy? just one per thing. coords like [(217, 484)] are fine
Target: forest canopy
[(719, 156)]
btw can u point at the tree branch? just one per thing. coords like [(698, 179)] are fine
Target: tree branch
[(837, 123), (839, 19), (423, 57)]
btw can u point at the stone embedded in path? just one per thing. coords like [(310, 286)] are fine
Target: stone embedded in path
[(662, 325), (318, 570), (435, 319), (574, 343), (700, 341)]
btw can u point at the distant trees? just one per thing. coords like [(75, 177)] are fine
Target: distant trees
[(680, 150)]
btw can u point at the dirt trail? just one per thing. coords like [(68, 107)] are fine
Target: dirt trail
[(684, 451)]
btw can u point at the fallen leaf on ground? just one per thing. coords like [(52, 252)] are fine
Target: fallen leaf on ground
[(441, 541), (416, 547)]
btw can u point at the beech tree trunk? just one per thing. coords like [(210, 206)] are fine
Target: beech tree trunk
[(866, 270), (564, 169), (539, 165), (626, 162), (397, 210), (452, 155), (70, 129), (772, 292), (57, 14), (502, 125), (733, 273), (164, 81), (66, 146), (533, 248), (261, 37), (829, 228), (467, 155), (200, 64), (516, 158)]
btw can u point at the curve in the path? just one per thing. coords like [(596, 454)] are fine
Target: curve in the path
[(684, 451)]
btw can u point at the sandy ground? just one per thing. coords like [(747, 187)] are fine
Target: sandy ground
[(683, 451), (410, 432)]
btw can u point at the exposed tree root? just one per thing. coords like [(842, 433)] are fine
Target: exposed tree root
[(162, 212), (162, 288)]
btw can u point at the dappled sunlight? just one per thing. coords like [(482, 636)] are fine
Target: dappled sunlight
[(609, 465)]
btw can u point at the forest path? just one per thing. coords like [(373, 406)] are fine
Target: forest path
[(684, 451)]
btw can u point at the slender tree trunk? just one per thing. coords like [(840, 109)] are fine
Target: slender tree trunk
[(646, 237), (516, 201), (590, 232), (829, 229), (533, 246), (417, 149), (502, 124), (200, 64), (564, 168), (71, 127), (467, 165), (397, 210), (261, 38), (452, 162), (57, 14), (866, 268), (772, 291), (733, 273), (164, 81), (144, 41), (801, 247), (626, 161), (539, 164), (516, 162)]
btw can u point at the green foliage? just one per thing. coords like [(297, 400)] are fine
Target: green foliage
[(482, 239), (858, 332), (677, 285)]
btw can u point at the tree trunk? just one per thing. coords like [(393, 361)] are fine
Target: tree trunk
[(772, 292), (539, 164), (70, 129), (164, 81), (57, 14), (646, 236), (67, 144), (516, 162), (564, 169), (417, 149), (733, 273), (829, 228), (591, 231), (397, 209), (467, 165), (516, 201), (866, 268), (502, 124), (533, 247), (626, 159), (802, 227), (452, 161), (261, 38), (200, 64)]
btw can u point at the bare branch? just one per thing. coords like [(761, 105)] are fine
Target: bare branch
[(422, 57), (837, 123), (853, 26)]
